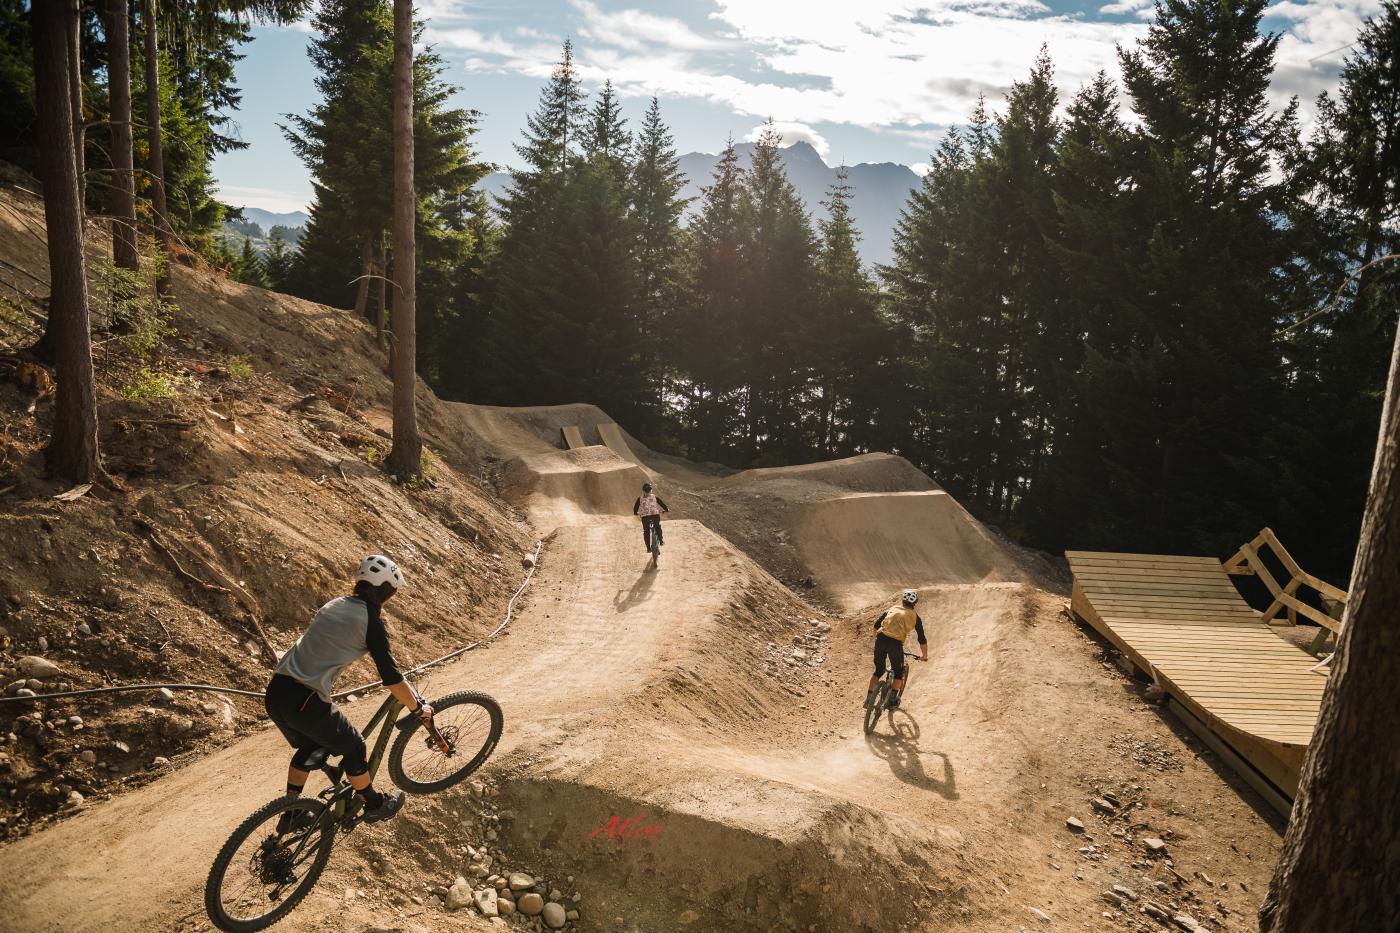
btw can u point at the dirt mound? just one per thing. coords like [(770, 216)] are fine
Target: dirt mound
[(865, 473), (715, 863), (865, 546), (564, 486)]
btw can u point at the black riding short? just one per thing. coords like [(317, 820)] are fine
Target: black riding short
[(309, 722), (887, 648)]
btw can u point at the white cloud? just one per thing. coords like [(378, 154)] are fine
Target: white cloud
[(904, 67), (1119, 7), (920, 168), (635, 29), (269, 199), (792, 133)]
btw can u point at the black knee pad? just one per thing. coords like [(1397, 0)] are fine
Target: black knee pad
[(309, 759)]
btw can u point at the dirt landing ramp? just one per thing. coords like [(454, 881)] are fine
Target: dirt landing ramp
[(863, 546), (564, 487)]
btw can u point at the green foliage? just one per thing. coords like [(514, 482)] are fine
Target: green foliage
[(239, 367), (277, 262), (149, 383), (126, 302)]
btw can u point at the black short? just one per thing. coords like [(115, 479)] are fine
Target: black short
[(887, 648), (309, 722)]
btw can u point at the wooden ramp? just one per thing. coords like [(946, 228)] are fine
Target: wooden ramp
[(573, 438), (1182, 622), (611, 435)]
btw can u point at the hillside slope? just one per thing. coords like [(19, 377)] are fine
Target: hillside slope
[(237, 507)]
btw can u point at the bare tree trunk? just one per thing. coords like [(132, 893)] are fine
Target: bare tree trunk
[(156, 160), (124, 252), (381, 313), (75, 95), (366, 268), (72, 451), (1340, 855), (405, 458)]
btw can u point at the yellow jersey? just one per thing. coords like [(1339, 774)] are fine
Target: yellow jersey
[(897, 623)]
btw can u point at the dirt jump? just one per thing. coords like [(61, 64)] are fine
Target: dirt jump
[(717, 701)]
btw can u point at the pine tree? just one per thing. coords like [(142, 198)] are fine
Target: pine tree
[(657, 206), (1346, 176), (776, 280), (346, 142), (702, 337), (1209, 285), (532, 285), (248, 268), (1093, 245), (842, 336), (277, 262)]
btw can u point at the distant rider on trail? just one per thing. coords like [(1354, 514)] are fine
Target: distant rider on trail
[(891, 629), (299, 695), (650, 506)]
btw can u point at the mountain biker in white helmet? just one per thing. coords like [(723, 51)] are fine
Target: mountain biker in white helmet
[(650, 506), (299, 696), (893, 626)]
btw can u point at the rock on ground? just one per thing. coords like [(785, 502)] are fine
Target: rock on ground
[(553, 915)]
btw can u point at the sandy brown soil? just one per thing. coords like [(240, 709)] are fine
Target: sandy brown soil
[(724, 708)]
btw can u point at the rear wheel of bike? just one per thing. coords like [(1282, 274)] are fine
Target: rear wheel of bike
[(260, 875), (470, 726), (873, 711)]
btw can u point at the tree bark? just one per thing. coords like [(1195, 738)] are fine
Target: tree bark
[(124, 251), (366, 267), (155, 164), (75, 95), (381, 312), (405, 458), (72, 451), (1340, 854)]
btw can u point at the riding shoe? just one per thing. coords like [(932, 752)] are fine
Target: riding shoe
[(389, 805), (893, 703)]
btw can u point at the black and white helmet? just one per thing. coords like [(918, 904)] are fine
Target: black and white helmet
[(911, 597), (377, 569)]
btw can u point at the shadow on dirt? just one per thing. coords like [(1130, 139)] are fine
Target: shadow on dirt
[(638, 593), (900, 749)]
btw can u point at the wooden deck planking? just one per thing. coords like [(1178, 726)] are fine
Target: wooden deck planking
[(1183, 618)]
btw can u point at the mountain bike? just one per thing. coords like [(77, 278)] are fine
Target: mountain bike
[(883, 690), (655, 546), (275, 856)]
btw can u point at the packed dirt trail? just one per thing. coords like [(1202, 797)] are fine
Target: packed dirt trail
[(713, 699)]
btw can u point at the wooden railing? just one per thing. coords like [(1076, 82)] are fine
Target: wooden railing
[(1247, 561)]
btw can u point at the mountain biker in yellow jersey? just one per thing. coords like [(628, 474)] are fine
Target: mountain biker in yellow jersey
[(893, 626), (299, 696), (650, 506)]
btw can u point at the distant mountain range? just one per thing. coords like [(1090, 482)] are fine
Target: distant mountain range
[(267, 219), (879, 189)]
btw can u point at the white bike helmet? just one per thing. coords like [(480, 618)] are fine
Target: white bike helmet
[(377, 569), (911, 597)]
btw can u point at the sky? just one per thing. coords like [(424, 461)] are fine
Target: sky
[(862, 80)]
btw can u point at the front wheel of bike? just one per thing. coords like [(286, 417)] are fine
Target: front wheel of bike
[(260, 875), (469, 725)]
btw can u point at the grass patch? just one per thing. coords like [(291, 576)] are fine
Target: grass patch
[(239, 367), (153, 383)]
